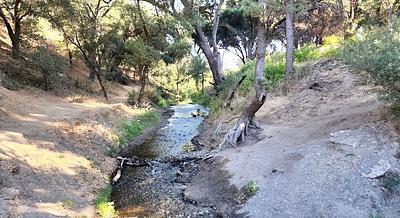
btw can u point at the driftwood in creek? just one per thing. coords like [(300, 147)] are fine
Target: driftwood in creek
[(142, 162)]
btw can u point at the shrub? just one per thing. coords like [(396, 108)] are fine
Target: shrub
[(202, 99), (132, 96), (104, 205), (49, 64), (306, 53), (377, 53), (161, 98), (133, 128), (251, 188)]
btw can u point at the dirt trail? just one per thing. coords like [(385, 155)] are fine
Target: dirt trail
[(303, 171), (53, 152)]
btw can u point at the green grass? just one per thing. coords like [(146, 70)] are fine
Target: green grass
[(131, 129), (104, 205)]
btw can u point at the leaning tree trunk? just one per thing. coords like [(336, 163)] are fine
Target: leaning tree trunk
[(289, 70), (94, 71), (213, 56), (247, 117)]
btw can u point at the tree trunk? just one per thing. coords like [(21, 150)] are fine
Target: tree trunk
[(94, 71), (289, 70), (15, 51), (103, 88), (92, 63), (70, 58), (142, 79), (213, 56), (16, 40), (211, 51), (247, 117)]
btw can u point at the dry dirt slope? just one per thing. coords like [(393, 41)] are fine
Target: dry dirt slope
[(305, 166), (53, 152)]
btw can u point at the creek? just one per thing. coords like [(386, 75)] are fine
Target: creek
[(157, 190)]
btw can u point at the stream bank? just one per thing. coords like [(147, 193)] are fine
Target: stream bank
[(180, 189)]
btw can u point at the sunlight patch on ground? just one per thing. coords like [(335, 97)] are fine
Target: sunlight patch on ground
[(14, 146)]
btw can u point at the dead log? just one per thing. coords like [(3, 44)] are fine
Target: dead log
[(141, 162), (184, 157)]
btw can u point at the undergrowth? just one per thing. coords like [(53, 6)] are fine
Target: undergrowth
[(376, 53), (131, 129), (104, 205)]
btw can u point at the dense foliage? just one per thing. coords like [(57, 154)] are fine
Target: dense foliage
[(377, 52)]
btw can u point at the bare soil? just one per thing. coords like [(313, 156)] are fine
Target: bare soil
[(53, 153), (302, 161)]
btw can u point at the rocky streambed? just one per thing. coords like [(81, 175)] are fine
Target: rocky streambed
[(188, 187)]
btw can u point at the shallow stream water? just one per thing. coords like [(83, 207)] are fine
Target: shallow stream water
[(156, 191)]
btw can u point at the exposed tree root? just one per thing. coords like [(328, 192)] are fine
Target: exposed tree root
[(246, 121)]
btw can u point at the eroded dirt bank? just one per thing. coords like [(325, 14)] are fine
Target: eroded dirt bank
[(317, 149)]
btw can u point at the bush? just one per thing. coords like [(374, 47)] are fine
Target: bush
[(104, 205), (49, 64), (377, 53), (306, 53), (161, 98), (202, 99), (132, 96)]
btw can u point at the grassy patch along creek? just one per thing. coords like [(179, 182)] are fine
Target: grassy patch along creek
[(173, 188)]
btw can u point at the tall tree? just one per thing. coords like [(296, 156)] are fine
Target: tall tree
[(13, 12), (210, 48), (238, 31), (247, 117), (202, 16), (289, 70), (151, 39)]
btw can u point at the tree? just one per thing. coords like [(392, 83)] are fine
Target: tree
[(238, 31), (247, 117), (13, 13), (197, 69), (82, 24), (289, 70), (151, 39), (210, 47), (200, 17)]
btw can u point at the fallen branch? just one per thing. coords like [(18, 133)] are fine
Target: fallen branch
[(141, 162)]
